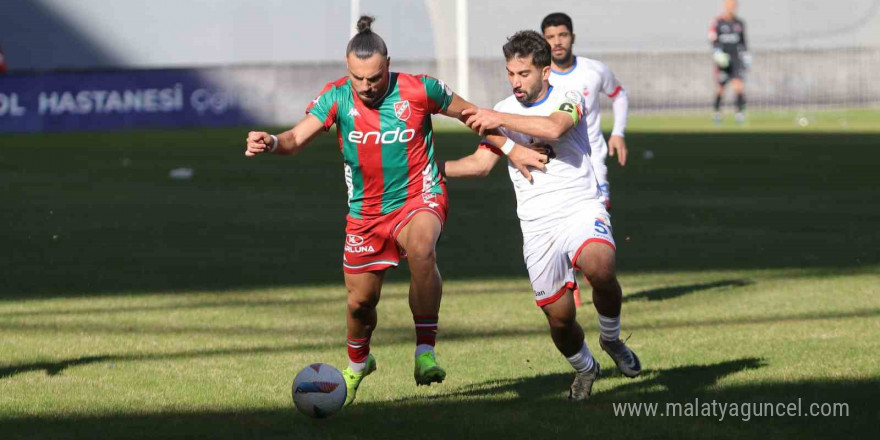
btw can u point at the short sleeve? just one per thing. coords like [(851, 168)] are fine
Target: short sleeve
[(324, 106), (439, 94)]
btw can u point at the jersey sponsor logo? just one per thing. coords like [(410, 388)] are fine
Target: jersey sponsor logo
[(388, 137), (349, 182), (353, 113), (572, 95), (446, 88), (354, 244), (729, 38), (427, 184), (402, 110)]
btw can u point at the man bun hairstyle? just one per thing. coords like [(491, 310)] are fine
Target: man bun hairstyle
[(557, 19), (528, 43), (366, 42)]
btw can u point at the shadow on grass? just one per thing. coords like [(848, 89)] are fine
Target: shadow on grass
[(389, 335), (527, 408), (51, 368), (677, 291)]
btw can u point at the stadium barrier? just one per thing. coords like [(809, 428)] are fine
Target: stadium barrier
[(277, 94)]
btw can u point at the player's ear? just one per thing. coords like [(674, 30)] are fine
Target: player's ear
[(545, 73), (572, 38), (388, 64)]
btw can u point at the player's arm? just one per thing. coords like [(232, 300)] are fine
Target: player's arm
[(718, 56), (620, 107), (745, 56), (521, 157), (713, 33), (288, 143), (478, 164), (565, 117)]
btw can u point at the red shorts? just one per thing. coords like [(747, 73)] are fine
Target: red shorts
[(371, 244)]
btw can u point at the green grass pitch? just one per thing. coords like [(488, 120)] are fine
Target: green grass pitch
[(133, 305)]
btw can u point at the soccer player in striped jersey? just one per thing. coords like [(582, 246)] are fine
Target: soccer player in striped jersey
[(564, 223), (396, 195), (592, 78)]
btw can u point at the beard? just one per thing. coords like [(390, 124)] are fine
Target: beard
[(528, 96), (562, 60)]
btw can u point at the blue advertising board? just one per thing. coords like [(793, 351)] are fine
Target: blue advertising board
[(111, 100)]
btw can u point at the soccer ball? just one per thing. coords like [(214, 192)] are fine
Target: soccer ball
[(318, 390)]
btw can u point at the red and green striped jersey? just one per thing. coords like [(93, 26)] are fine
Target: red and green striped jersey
[(388, 149)]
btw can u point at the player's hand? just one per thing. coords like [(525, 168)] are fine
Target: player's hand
[(616, 142), (746, 59), (481, 119), (257, 142), (522, 158)]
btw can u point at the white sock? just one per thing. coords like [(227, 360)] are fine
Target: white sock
[(582, 361), (357, 367), (421, 348), (609, 328)]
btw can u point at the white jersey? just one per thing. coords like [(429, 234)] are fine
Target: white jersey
[(568, 184), (591, 77)]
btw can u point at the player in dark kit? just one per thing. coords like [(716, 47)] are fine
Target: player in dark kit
[(397, 198), (727, 34)]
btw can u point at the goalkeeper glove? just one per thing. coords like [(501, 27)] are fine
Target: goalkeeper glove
[(721, 59), (746, 59)]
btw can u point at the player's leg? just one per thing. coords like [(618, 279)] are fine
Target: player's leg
[(553, 280), (568, 336), (364, 290), (418, 237), (596, 259), (739, 89), (719, 94)]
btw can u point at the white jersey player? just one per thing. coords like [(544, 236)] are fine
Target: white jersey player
[(591, 78), (565, 224)]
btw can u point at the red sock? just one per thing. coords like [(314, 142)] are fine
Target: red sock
[(426, 329), (358, 349)]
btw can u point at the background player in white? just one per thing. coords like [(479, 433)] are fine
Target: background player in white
[(564, 222), (591, 78)]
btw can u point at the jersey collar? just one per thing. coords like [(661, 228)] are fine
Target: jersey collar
[(571, 69)]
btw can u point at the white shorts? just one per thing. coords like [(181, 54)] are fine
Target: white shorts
[(550, 256)]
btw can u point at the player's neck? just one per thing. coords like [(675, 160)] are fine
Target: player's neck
[(564, 67)]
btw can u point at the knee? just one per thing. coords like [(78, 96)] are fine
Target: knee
[(422, 251), (601, 276), (561, 321), (360, 303)]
